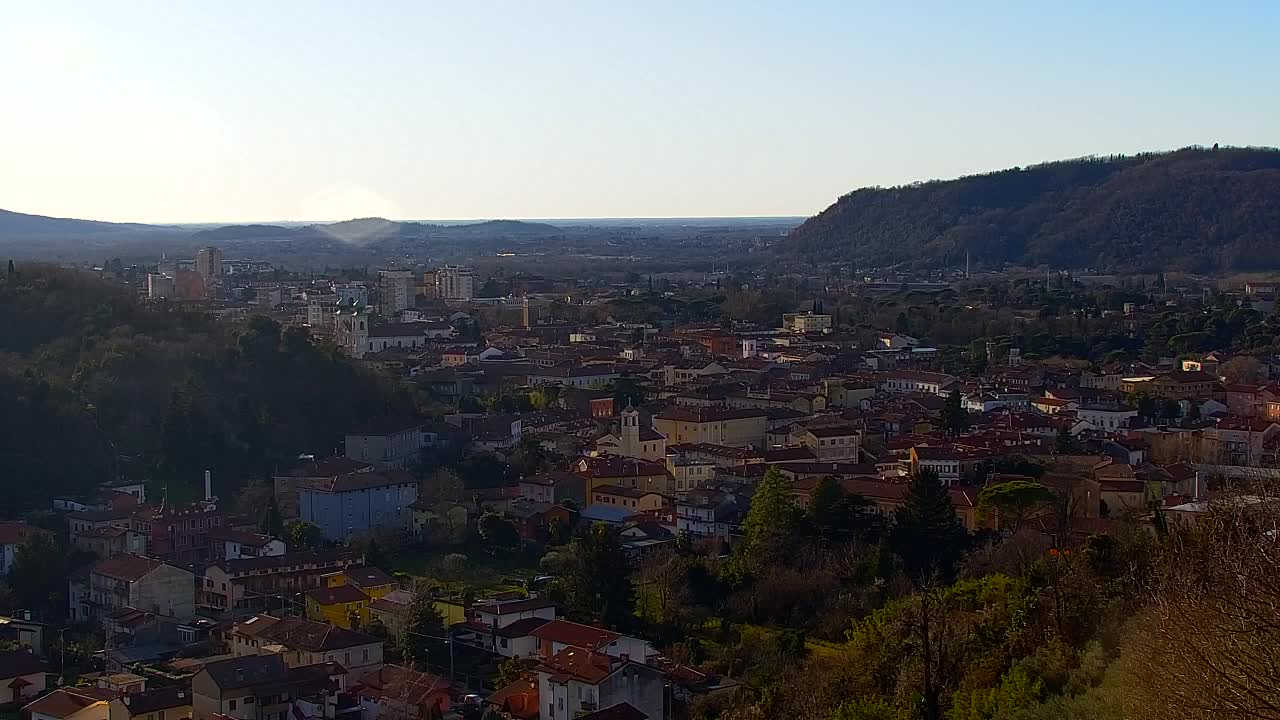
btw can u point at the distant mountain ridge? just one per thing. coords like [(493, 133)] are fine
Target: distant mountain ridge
[(1193, 209), (16, 223)]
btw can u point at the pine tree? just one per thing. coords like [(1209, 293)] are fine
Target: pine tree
[(597, 586), (272, 522), (927, 535), (955, 419), (423, 630), (769, 525), (1064, 442)]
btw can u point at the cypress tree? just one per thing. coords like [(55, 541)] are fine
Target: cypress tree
[(927, 535)]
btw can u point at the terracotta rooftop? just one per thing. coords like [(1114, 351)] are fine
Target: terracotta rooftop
[(127, 567), (575, 634), (65, 702), (337, 595), (353, 482)]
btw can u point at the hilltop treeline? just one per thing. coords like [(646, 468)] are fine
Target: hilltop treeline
[(99, 385), (1194, 209)]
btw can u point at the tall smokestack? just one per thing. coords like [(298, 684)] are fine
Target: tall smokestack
[(208, 485)]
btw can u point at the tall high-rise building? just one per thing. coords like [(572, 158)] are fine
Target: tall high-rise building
[(430, 287), (395, 291), (209, 262), (456, 282)]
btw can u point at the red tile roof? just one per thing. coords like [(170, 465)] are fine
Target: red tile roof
[(575, 634), (337, 595), (127, 567), (575, 663)]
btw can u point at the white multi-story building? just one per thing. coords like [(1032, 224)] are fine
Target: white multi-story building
[(160, 286), (455, 282), (209, 262), (396, 291)]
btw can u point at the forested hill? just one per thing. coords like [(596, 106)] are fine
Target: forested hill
[(1194, 209), (96, 384)]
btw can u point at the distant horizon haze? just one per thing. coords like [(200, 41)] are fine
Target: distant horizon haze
[(168, 113)]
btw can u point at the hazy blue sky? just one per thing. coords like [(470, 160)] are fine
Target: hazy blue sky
[(272, 110)]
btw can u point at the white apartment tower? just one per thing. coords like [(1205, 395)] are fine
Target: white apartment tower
[(456, 282), (396, 291), (209, 262)]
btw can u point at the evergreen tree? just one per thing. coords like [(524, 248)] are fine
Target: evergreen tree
[(927, 535), (768, 529), (272, 521), (423, 631), (955, 419), (837, 516), (596, 585), (39, 575), (1064, 443)]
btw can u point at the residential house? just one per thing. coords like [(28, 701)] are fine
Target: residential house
[(109, 541), (576, 681), (846, 393), (257, 582), (134, 581), (900, 382), (347, 595), (391, 610), (683, 373), (710, 512), (1106, 417), (734, 427), (1176, 385), (162, 703), (89, 520), (286, 486), (506, 628), (951, 464), (347, 505), (78, 703), (625, 472), (12, 534), (1246, 441), (229, 544), (179, 535), (302, 642), (406, 335), (22, 676), (895, 341), (644, 537), (267, 688), (633, 499), (575, 376), (1250, 400), (806, 323), (554, 487), (395, 691), (829, 443), (689, 473), (517, 700), (557, 635), (387, 442)]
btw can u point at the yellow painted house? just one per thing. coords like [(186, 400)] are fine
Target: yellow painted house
[(346, 594)]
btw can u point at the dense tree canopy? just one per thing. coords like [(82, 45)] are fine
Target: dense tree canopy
[(1189, 210)]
